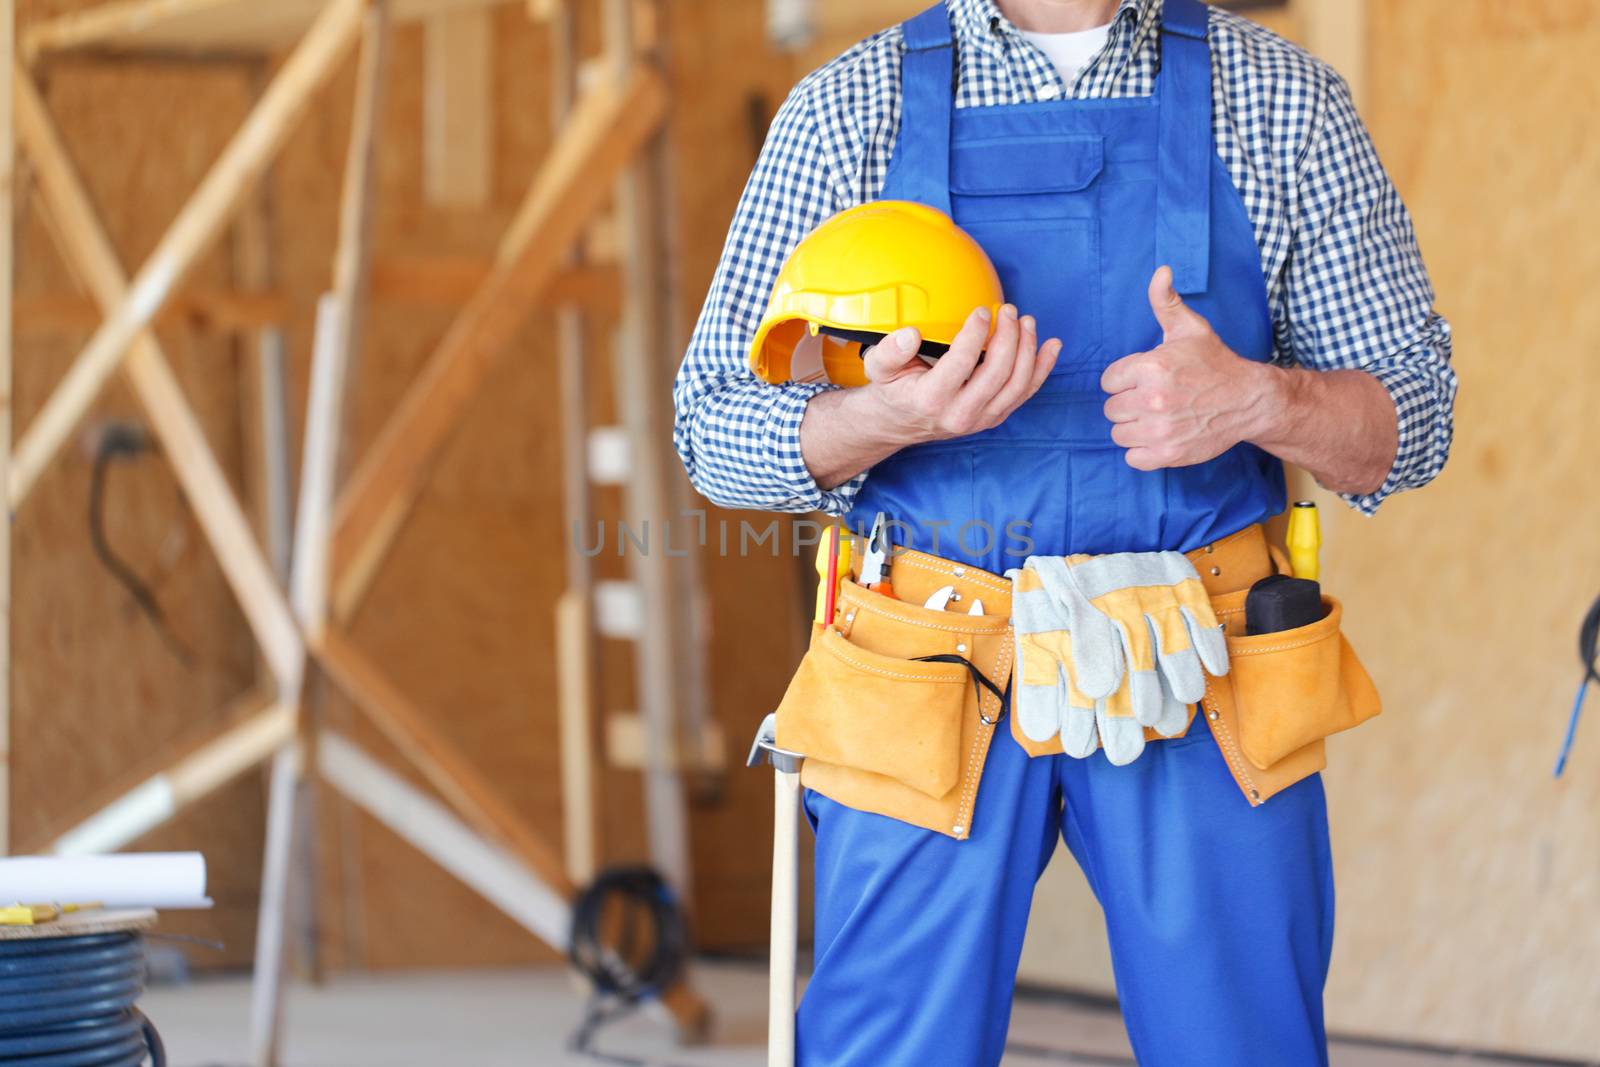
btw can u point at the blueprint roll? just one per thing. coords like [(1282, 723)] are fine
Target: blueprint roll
[(134, 880)]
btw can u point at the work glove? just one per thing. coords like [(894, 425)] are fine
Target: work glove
[(1109, 645)]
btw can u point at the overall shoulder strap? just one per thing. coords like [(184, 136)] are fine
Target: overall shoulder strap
[(1183, 200), (921, 167)]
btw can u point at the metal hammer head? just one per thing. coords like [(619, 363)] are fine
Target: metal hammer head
[(765, 749)]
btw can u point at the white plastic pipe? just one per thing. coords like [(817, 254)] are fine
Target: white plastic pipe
[(138, 880)]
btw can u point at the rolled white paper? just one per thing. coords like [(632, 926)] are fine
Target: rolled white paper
[(131, 880)]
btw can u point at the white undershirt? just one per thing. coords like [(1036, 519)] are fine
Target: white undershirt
[(1070, 52)]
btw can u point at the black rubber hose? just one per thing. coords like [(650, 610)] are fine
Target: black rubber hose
[(69, 1002)]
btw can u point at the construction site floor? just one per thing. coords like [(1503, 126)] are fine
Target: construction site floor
[(518, 1018)]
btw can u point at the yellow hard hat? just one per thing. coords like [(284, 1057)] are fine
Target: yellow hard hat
[(865, 273)]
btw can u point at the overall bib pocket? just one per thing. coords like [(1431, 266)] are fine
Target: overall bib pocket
[(1032, 202), (884, 729)]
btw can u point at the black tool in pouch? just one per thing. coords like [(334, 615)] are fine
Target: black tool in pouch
[(1280, 603)]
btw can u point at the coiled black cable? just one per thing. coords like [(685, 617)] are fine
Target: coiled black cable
[(70, 1002), (630, 940)]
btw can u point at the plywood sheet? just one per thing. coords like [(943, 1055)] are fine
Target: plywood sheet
[(1462, 863)]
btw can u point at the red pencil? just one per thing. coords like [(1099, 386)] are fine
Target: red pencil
[(833, 575)]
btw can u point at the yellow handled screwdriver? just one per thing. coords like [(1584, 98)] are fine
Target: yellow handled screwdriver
[(833, 564), (1305, 541)]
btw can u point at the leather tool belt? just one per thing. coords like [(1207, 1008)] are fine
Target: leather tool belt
[(886, 710)]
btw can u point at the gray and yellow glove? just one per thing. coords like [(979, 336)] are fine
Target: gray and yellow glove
[(1109, 645)]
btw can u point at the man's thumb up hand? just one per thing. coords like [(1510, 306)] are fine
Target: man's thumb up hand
[(1185, 401), (1176, 318)]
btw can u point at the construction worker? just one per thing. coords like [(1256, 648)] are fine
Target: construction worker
[(1209, 274)]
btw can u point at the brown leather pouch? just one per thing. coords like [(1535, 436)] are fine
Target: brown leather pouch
[(885, 732), (1285, 693), (895, 718)]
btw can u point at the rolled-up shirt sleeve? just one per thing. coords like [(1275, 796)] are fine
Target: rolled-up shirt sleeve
[(1358, 295), (739, 437)]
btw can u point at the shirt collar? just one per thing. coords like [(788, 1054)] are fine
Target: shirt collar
[(980, 23)]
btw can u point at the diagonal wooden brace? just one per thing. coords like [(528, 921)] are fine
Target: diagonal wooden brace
[(88, 251), (190, 235), (440, 762), (602, 135)]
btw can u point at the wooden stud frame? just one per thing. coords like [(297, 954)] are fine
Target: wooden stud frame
[(338, 546)]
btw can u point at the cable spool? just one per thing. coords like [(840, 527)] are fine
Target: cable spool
[(70, 1001), (630, 940)]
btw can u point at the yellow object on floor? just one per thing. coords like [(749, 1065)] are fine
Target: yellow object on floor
[(29, 914)]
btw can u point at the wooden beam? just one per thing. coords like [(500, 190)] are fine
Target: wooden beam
[(263, 396), (458, 109), (440, 762), (198, 27), (495, 873), (7, 246), (451, 281), (266, 988), (211, 311), (575, 690), (265, 726), (577, 669), (666, 643), (340, 316), (190, 235), (88, 250), (606, 129)]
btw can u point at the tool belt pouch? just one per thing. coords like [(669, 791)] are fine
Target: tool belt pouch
[(1284, 694), (881, 730)]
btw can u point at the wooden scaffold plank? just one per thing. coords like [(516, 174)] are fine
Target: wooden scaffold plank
[(607, 127)]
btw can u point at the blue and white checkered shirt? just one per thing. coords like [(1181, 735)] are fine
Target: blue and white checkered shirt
[(1345, 278)]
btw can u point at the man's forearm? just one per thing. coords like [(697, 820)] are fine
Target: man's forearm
[(1339, 425), (842, 434)]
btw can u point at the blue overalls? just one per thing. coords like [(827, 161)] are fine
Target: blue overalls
[(1220, 916)]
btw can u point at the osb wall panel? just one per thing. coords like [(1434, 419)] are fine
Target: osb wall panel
[(1460, 860), (97, 696)]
